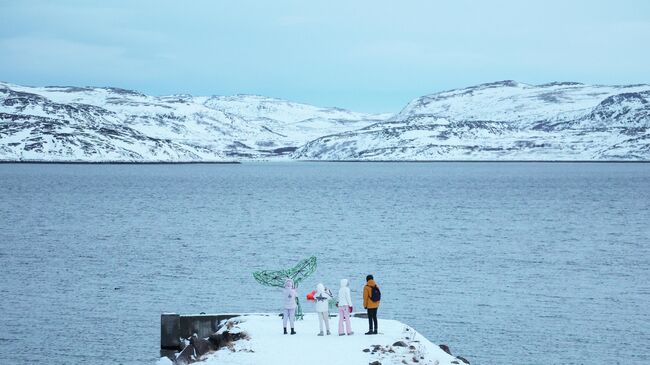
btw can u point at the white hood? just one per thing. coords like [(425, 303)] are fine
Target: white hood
[(345, 297), (322, 298)]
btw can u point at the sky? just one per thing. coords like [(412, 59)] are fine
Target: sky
[(372, 56)]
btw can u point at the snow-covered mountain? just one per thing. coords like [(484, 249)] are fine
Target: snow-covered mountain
[(497, 121), (504, 121), (110, 124)]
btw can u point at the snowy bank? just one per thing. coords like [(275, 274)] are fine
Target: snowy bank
[(260, 341)]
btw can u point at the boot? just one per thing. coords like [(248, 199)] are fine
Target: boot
[(293, 332), (320, 333), (370, 332), (285, 330)]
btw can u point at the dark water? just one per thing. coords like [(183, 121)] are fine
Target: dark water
[(513, 263)]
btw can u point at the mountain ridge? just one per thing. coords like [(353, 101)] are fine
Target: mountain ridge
[(100, 124), (502, 120), (505, 120)]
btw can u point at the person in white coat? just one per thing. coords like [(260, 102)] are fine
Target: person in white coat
[(322, 297), (289, 300), (345, 308)]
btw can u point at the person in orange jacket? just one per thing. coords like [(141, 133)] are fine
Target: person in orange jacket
[(371, 298)]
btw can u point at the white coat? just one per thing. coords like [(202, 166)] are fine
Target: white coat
[(344, 294), (322, 298), (289, 294)]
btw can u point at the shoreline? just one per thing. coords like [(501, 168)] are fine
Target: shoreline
[(44, 162), (121, 162), (487, 161)]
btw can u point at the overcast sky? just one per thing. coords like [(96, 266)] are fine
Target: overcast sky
[(361, 55)]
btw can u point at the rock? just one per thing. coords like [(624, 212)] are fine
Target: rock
[(462, 359), (446, 349), (400, 344), (237, 336), (185, 357), (217, 340), (366, 350), (455, 362), (201, 346), (375, 363)]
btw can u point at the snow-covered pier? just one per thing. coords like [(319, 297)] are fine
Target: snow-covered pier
[(258, 339)]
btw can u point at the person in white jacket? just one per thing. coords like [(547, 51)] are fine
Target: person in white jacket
[(345, 308), (322, 297), (289, 311)]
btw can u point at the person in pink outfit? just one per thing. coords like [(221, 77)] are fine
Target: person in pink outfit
[(345, 308)]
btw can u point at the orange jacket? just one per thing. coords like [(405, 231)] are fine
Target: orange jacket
[(367, 292)]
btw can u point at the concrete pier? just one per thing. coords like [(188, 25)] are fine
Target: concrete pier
[(175, 327)]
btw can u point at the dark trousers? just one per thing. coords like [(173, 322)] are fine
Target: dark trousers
[(372, 319)]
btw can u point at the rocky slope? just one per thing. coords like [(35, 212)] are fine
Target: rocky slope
[(504, 121)]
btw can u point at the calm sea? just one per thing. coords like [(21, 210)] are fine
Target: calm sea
[(507, 263)]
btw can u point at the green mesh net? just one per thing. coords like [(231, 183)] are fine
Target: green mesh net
[(298, 273)]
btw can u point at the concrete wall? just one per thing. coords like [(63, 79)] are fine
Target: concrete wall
[(174, 327)]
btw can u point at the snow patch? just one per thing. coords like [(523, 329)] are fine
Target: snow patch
[(396, 344)]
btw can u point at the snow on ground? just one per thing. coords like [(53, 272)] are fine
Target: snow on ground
[(267, 345), (515, 101)]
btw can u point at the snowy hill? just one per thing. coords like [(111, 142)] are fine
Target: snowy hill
[(109, 124), (504, 121), (264, 343), (497, 121)]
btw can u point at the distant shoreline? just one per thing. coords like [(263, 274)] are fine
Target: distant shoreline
[(319, 161), (488, 161), (121, 162)]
